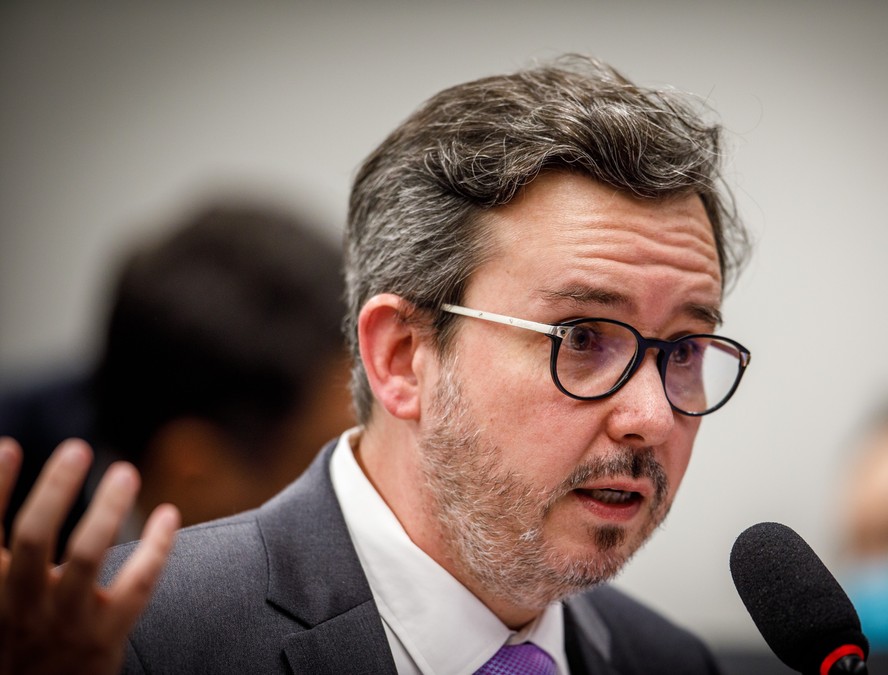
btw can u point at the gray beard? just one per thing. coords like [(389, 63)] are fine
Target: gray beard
[(492, 521)]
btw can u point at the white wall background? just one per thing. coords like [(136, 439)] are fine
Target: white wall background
[(115, 115)]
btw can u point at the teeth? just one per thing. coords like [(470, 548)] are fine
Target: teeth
[(611, 496)]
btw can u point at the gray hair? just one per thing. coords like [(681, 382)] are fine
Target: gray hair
[(416, 224)]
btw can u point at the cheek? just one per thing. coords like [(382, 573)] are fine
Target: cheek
[(678, 455), (540, 434), (518, 408), (508, 382)]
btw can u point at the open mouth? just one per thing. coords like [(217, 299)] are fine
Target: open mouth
[(611, 497)]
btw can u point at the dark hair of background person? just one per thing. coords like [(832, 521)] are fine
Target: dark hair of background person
[(233, 319), (417, 225), (223, 367)]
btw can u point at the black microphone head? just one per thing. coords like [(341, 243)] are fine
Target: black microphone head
[(797, 605)]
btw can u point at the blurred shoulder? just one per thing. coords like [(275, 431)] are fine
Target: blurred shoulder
[(215, 549)]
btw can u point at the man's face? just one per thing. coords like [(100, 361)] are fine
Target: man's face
[(539, 495)]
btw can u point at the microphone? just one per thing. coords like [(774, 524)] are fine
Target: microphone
[(797, 605)]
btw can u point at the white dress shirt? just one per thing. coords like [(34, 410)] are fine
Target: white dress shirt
[(434, 624)]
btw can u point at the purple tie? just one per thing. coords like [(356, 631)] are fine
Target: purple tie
[(523, 659)]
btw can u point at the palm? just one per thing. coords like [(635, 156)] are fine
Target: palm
[(58, 619)]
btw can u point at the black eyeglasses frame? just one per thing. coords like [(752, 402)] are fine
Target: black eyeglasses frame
[(557, 332)]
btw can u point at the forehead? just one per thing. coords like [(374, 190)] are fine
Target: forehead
[(567, 236)]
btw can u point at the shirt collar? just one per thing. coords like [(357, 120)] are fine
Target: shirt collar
[(426, 608)]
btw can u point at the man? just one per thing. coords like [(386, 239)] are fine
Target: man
[(535, 266)]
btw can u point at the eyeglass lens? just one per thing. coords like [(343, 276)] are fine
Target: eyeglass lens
[(595, 356)]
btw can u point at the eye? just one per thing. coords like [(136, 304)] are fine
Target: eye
[(686, 352), (583, 338)]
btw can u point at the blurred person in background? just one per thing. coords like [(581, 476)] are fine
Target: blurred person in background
[(223, 368), (864, 531)]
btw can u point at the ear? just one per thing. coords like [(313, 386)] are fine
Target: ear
[(391, 350)]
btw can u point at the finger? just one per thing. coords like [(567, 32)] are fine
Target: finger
[(95, 532), (131, 590), (36, 527), (10, 463)]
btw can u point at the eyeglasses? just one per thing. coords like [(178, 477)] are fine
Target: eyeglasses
[(592, 358)]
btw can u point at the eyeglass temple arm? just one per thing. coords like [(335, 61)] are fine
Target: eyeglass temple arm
[(545, 328), (742, 355)]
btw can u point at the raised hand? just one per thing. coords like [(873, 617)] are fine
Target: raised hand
[(58, 619)]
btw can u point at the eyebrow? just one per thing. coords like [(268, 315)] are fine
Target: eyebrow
[(583, 295), (705, 313)]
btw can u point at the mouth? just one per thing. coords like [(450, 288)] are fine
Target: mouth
[(610, 504), (618, 488), (611, 496)]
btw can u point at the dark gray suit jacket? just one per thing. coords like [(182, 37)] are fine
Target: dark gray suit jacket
[(280, 589)]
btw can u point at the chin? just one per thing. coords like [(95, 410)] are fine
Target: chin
[(599, 557)]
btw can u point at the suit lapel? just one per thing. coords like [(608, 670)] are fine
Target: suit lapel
[(314, 575), (353, 642), (587, 639)]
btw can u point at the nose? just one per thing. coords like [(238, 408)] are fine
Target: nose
[(641, 414)]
